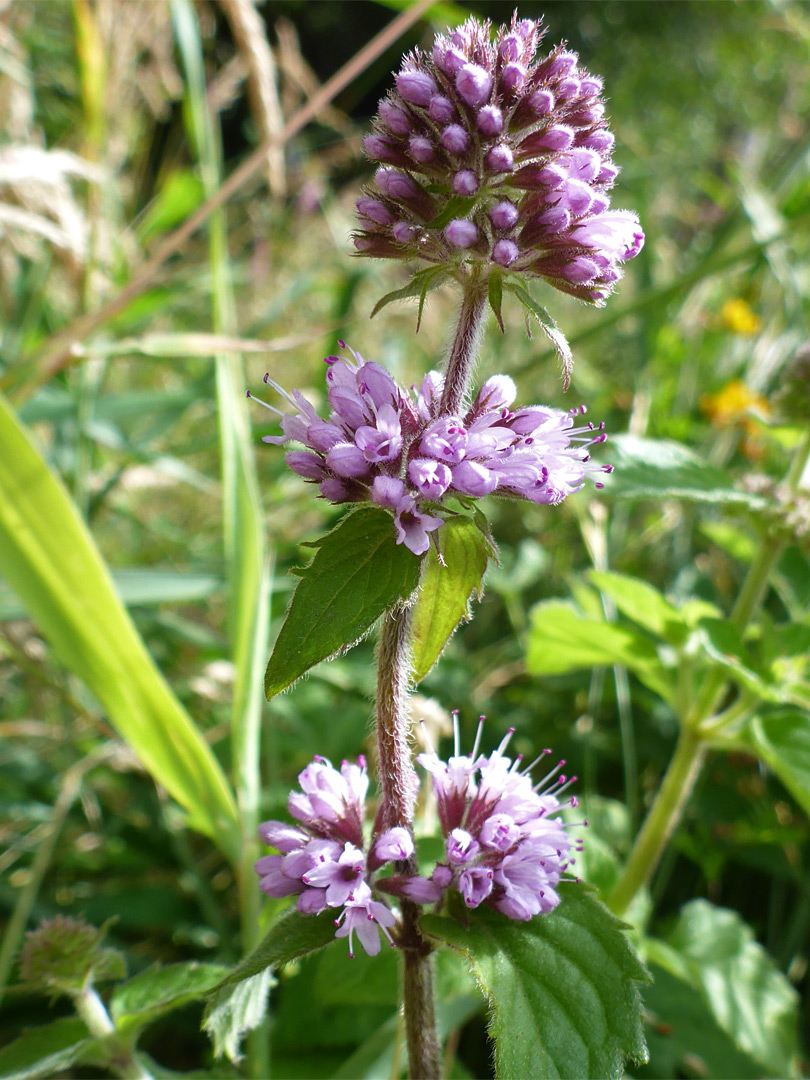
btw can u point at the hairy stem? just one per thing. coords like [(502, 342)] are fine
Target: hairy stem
[(465, 343), (393, 680), (398, 789), (419, 999)]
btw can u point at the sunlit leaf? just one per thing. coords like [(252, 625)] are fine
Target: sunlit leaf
[(748, 996), (445, 590), (562, 640), (660, 469), (642, 603), (158, 990), (782, 740), (563, 988)]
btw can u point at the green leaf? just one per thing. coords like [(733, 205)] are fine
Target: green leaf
[(495, 296), (660, 469), (290, 936), (782, 740), (137, 588), (51, 560), (548, 326), (235, 1011), (159, 989), (357, 573), (723, 643), (179, 195), (561, 640), (239, 1001), (562, 988), (43, 1051), (456, 206), (445, 591), (748, 996), (683, 1036), (420, 284), (642, 603)]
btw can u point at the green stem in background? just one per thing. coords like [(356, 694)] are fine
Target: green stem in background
[(662, 819), (121, 1058), (693, 742), (464, 347)]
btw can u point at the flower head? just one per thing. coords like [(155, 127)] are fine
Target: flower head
[(323, 861), (523, 141), (503, 844), (389, 445)]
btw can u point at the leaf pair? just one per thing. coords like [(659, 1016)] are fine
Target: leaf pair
[(357, 573)]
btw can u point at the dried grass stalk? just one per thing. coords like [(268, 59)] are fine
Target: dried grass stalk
[(247, 28)]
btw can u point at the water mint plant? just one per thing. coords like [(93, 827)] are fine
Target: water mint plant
[(378, 917), (493, 168)]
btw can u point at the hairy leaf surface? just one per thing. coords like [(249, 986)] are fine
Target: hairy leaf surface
[(563, 988), (358, 571)]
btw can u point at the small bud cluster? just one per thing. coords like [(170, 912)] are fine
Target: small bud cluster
[(325, 861), (488, 157), (394, 447), (502, 845), (63, 955)]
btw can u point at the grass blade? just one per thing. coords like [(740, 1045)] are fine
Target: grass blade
[(49, 557)]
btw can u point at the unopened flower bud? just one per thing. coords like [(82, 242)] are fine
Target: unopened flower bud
[(500, 158), (465, 182), (490, 120), (394, 118), (503, 215), (455, 139), (416, 87), (421, 149), (374, 210), (505, 252), (461, 233), (441, 110), (474, 84), (513, 77)]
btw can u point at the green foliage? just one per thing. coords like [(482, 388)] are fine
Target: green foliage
[(50, 557), (747, 996), (52, 1048), (358, 572), (445, 590), (563, 988), (158, 990), (659, 469), (563, 640), (782, 739)]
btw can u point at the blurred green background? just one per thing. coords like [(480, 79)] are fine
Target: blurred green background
[(710, 105)]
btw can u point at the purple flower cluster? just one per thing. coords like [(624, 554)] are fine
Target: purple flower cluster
[(394, 447), (324, 860), (505, 843), (487, 156), (503, 846)]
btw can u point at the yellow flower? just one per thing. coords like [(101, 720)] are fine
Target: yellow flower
[(736, 315), (734, 404)]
